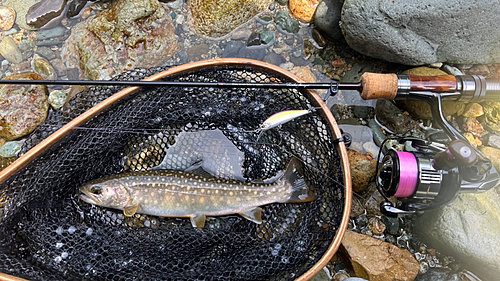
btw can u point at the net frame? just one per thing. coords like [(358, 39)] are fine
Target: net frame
[(314, 97)]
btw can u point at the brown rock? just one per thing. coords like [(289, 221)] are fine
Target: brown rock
[(196, 51), (479, 69), (338, 63), (22, 107), (473, 110), (304, 73), (217, 18), (473, 126), (375, 260), (493, 154), (473, 140), (7, 18), (362, 170), (303, 10), (130, 34), (376, 225)]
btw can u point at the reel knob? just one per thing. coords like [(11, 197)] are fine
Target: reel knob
[(459, 153)]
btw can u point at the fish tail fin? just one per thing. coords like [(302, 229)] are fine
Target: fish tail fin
[(300, 191)]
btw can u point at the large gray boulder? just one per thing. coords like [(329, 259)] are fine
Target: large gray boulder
[(469, 230), (424, 31)]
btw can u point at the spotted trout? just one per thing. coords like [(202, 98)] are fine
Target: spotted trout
[(171, 193)]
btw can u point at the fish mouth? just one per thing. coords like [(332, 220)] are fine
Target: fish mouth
[(90, 198)]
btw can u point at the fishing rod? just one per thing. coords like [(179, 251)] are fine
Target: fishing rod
[(466, 88)]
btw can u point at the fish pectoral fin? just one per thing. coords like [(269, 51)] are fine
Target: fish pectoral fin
[(254, 215), (198, 220), (129, 211)]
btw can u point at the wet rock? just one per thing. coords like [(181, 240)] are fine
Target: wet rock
[(376, 225), (10, 51), (241, 34), (287, 66), (196, 51), (479, 69), (375, 260), (22, 108), (73, 73), (392, 225), (59, 66), (473, 126), (43, 68), (393, 118), (50, 33), (304, 73), (443, 274), (327, 18), (282, 2), (472, 139), (286, 23), (21, 8), (7, 18), (261, 39), (318, 38), (58, 98), (493, 141), (420, 32), (473, 110), (362, 170), (421, 109), (299, 61), (493, 154), (468, 230), (491, 117), (46, 13), (232, 49), (75, 7), (130, 34), (452, 70), (217, 18), (303, 10), (274, 58), (11, 149)]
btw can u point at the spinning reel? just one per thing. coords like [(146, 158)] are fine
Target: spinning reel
[(432, 174)]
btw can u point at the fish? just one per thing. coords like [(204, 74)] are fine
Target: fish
[(195, 194)]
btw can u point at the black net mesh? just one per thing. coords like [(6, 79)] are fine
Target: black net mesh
[(47, 232)]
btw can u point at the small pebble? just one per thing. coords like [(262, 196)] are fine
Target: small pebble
[(436, 65), (287, 66), (10, 51), (11, 149), (86, 13), (376, 225), (451, 70), (7, 18), (43, 68)]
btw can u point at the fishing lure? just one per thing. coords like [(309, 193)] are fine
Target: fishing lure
[(280, 118)]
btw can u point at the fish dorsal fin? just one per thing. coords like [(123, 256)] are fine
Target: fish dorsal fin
[(129, 211), (198, 220), (254, 215)]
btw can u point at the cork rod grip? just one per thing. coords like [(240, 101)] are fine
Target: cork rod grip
[(379, 86)]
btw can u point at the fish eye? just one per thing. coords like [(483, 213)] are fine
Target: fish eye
[(96, 189)]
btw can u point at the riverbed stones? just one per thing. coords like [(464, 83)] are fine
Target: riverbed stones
[(327, 18), (21, 8), (43, 68), (424, 32), (376, 260), (468, 229), (22, 107), (217, 18), (491, 117), (362, 169), (303, 10), (10, 51), (130, 34), (46, 13), (7, 18)]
